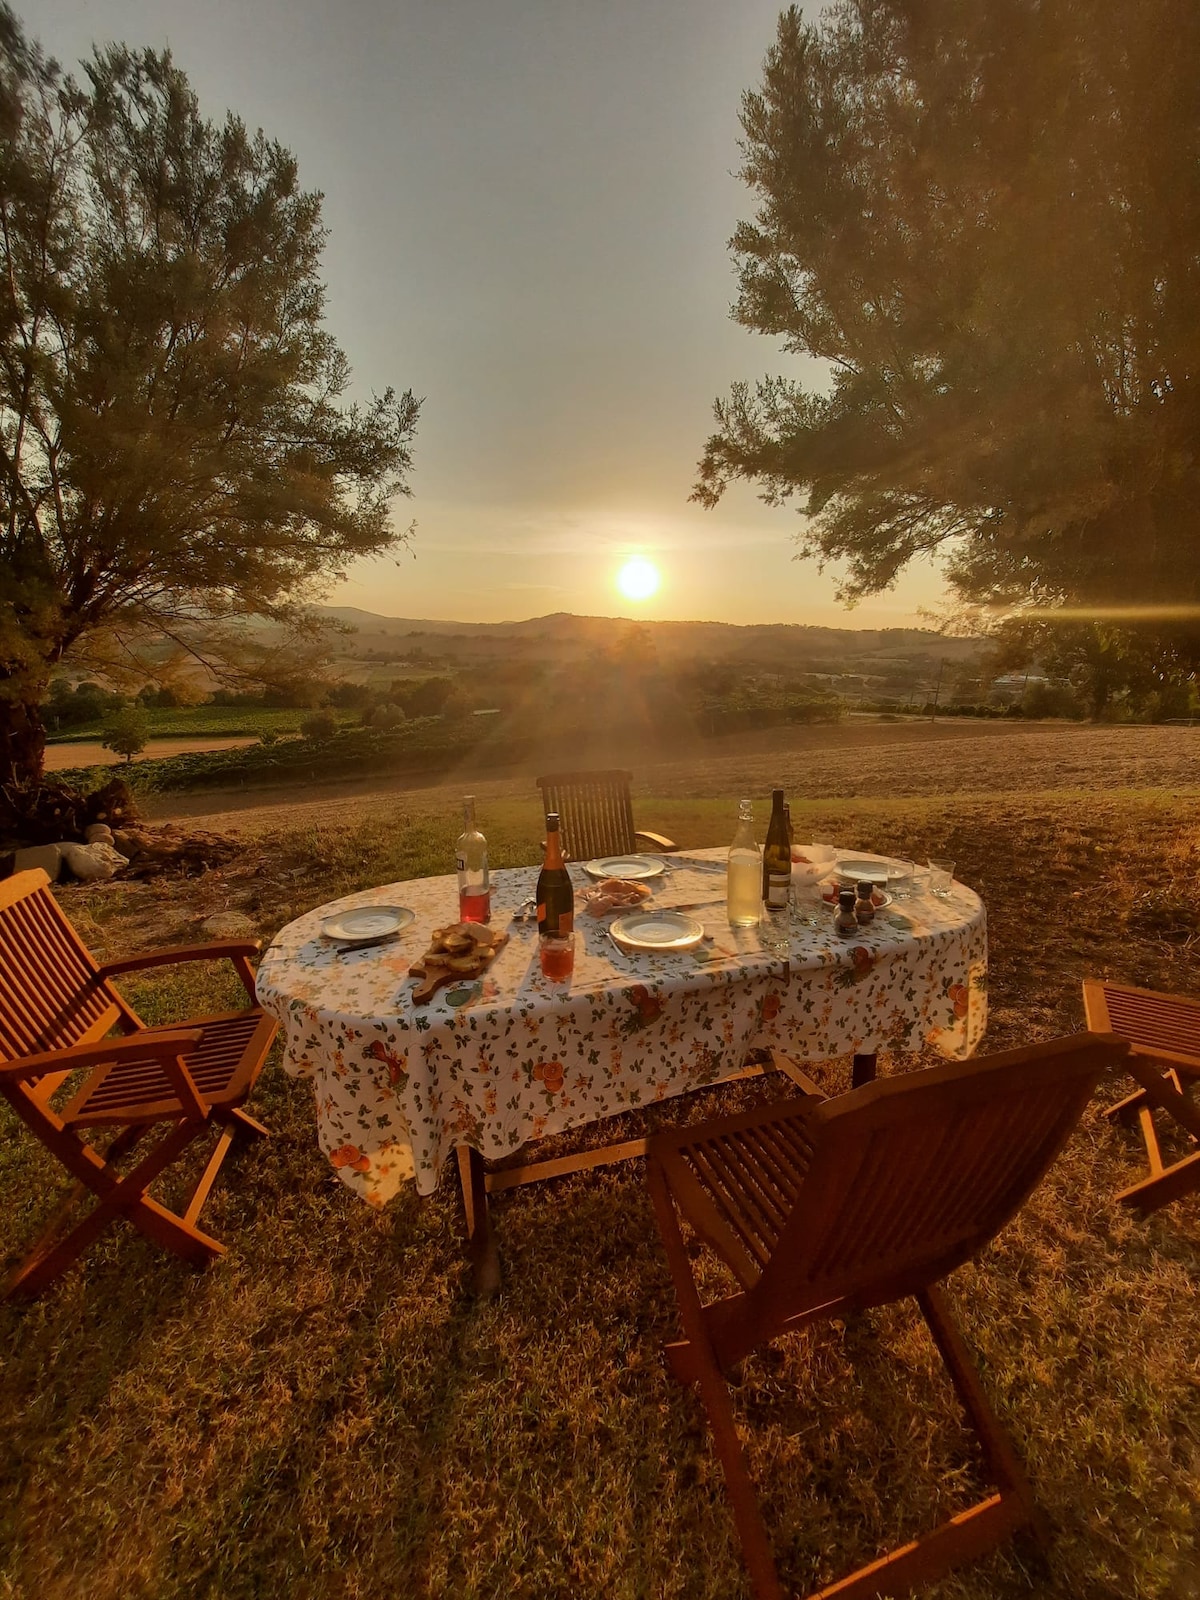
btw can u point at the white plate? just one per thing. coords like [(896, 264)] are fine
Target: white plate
[(870, 869), (366, 924), (658, 930), (623, 867)]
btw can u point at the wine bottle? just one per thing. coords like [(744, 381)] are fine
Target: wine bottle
[(743, 893), (555, 896), (777, 858), (471, 860)]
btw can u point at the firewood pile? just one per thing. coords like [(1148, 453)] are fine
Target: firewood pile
[(98, 836), (169, 848)]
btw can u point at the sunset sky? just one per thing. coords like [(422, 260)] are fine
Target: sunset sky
[(529, 204)]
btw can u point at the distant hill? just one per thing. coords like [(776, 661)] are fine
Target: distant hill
[(564, 635)]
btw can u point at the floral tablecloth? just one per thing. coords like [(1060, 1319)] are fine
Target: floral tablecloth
[(502, 1060)]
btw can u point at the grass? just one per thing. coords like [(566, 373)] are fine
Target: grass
[(327, 1412)]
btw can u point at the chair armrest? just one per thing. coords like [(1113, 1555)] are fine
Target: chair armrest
[(238, 951), (101, 1052), (658, 840)]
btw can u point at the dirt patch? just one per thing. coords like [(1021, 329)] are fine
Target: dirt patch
[(93, 754), (854, 759)]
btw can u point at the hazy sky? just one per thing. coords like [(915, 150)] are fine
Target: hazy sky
[(529, 204)]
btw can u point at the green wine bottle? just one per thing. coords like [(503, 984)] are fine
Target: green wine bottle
[(777, 857)]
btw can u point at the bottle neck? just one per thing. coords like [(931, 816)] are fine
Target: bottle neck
[(554, 856), (469, 811)]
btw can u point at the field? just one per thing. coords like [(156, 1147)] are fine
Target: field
[(207, 721), (327, 1412)]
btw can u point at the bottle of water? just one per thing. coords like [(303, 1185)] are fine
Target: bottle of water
[(744, 883), (470, 857)]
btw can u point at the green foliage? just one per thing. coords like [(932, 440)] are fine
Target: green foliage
[(980, 221), (126, 732), (174, 445), (319, 725)]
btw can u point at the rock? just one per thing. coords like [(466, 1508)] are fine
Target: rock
[(93, 861), (99, 833), (47, 856), (228, 925)]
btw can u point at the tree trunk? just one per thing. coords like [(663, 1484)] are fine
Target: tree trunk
[(22, 743)]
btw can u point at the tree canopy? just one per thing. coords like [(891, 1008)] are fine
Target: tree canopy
[(174, 446), (984, 220)]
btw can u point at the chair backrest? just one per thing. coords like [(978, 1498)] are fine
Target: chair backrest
[(51, 992), (912, 1175), (595, 812)]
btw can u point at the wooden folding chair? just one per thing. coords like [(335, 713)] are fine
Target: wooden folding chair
[(57, 1006), (821, 1208), (595, 814), (1163, 1032)]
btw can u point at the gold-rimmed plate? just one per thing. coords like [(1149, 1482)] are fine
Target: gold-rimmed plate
[(657, 930)]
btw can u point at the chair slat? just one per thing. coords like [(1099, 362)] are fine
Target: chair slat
[(595, 812)]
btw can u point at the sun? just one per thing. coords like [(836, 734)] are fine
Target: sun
[(638, 579)]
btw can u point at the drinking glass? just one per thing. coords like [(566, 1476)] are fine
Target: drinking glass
[(941, 877), (903, 888), (775, 931), (556, 955)]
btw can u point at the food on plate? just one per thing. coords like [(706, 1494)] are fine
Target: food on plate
[(461, 950), (799, 858), (614, 894)]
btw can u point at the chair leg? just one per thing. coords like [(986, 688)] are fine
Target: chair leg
[(1160, 1091), (998, 1449), (481, 1241), (117, 1197), (1171, 1183), (244, 1123), (700, 1366)]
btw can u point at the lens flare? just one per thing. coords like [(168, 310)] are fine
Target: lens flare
[(638, 579)]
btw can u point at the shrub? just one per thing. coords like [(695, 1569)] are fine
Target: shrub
[(320, 725)]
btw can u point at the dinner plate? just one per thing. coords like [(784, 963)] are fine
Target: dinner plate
[(623, 867), (657, 930), (367, 924), (871, 869)]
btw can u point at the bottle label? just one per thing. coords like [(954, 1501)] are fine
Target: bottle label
[(778, 885), (563, 923), (461, 863)]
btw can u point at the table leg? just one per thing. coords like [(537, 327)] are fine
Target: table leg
[(481, 1244), (863, 1070)]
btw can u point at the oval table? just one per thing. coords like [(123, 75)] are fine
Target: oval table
[(496, 1063)]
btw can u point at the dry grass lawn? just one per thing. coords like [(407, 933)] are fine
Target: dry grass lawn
[(327, 1412)]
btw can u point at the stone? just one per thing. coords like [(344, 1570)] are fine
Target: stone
[(228, 925), (47, 856), (99, 833), (92, 862)]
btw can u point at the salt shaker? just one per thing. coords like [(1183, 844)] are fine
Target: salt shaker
[(864, 909)]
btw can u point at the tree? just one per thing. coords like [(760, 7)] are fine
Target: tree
[(981, 220), (173, 449), (126, 732)]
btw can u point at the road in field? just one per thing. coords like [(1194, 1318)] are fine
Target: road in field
[(851, 759), (93, 754)]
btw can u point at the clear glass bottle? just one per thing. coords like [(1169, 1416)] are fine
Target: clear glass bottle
[(471, 860), (744, 881)]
